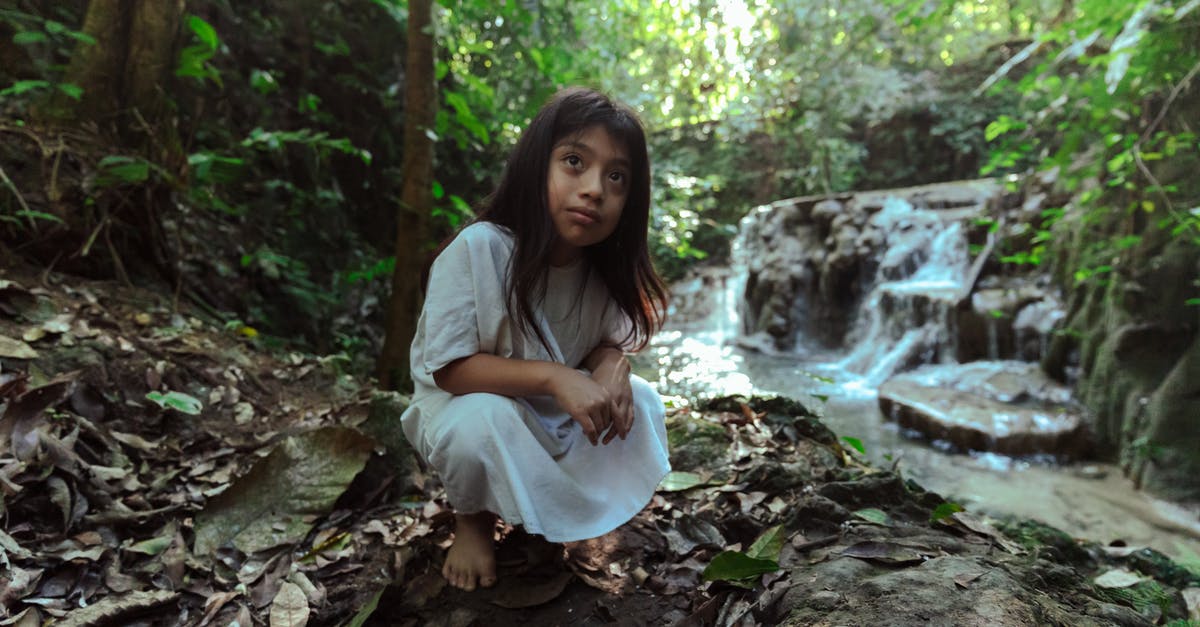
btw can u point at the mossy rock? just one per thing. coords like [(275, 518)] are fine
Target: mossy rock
[(1037, 536), (1162, 568), (696, 443)]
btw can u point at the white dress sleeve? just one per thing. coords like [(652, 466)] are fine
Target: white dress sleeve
[(464, 311), (617, 327)]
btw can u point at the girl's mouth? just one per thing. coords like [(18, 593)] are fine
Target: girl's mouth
[(584, 216)]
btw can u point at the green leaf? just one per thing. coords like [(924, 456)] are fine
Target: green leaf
[(945, 510), (737, 568), (360, 617), (204, 32), (769, 544), (855, 443), (73, 91), (677, 481), (1192, 301), (178, 401), (153, 546), (20, 87), (438, 191), (122, 170), (874, 515), (29, 37)]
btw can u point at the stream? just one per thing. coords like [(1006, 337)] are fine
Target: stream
[(702, 353)]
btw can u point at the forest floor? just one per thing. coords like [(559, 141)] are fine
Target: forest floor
[(157, 469)]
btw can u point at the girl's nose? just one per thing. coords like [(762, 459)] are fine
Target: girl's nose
[(592, 185)]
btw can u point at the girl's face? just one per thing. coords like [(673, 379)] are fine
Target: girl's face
[(587, 185)]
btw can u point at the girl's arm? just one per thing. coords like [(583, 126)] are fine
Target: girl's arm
[(611, 370), (585, 400)]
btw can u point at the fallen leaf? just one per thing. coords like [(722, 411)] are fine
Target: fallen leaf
[(111, 608), (16, 349), (964, 580), (677, 481), (873, 515), (749, 501), (1191, 598), (290, 607), (215, 602), (885, 552), (360, 617), (520, 592), (299, 480), (738, 568), (1118, 578)]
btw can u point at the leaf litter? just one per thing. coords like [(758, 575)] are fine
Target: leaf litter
[(178, 474)]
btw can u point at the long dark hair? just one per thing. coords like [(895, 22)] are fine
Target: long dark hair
[(520, 204)]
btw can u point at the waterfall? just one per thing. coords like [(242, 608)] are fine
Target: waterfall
[(906, 317)]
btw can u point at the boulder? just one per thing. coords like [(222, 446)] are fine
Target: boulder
[(1004, 407)]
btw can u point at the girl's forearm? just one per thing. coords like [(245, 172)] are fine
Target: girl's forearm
[(484, 372), (604, 353)]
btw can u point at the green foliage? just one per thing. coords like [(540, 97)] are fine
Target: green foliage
[(48, 43), (178, 401), (943, 511), (855, 443), (1098, 98), (195, 59), (743, 568)]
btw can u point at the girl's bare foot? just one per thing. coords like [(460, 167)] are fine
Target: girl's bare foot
[(471, 560)]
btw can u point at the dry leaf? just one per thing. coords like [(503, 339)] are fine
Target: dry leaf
[(886, 552), (290, 607), (964, 580), (1191, 598), (1118, 578), (110, 609), (16, 349)]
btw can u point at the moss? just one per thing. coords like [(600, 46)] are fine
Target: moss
[(696, 443), (1037, 537), (1145, 597)]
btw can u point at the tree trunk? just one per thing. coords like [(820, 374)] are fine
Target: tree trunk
[(97, 68), (154, 29), (415, 199), (125, 74)]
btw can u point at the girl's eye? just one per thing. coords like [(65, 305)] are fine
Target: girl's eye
[(617, 177), (573, 160)]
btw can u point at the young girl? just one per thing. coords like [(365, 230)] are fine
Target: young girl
[(524, 401)]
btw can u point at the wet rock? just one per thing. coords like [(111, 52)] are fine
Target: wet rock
[(775, 477), (1005, 407), (817, 514), (873, 490)]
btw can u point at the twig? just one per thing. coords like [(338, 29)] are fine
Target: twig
[(1179, 87), (20, 199), (1162, 114)]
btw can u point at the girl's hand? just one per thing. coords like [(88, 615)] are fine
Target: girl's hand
[(588, 403), (612, 373)]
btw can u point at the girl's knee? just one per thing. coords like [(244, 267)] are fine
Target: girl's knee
[(472, 422)]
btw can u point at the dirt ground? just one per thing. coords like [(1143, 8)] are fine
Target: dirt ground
[(158, 468)]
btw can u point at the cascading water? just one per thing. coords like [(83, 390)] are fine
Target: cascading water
[(906, 318)]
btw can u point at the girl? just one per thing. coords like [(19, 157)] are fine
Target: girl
[(524, 401)]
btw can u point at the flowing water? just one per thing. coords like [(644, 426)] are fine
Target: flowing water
[(903, 322)]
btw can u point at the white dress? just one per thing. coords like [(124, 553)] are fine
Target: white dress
[(524, 458)]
